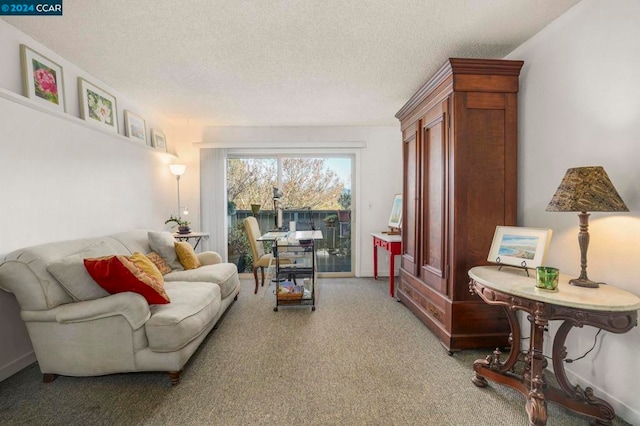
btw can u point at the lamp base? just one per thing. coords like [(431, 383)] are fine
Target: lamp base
[(581, 282)]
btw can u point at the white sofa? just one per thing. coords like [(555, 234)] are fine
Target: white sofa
[(78, 329)]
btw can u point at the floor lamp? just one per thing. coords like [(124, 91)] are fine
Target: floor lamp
[(178, 170)]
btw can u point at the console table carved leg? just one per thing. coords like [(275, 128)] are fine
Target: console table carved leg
[(581, 400), (494, 362), (537, 404)]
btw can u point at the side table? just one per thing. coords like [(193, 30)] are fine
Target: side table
[(392, 244), (196, 236), (607, 308)]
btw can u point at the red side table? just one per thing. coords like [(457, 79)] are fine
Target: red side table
[(392, 244)]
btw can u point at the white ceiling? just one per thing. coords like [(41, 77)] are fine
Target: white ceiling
[(281, 62)]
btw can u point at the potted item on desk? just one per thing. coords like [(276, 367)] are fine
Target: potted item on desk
[(183, 225)]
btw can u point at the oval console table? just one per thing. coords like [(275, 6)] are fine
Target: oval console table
[(607, 308)]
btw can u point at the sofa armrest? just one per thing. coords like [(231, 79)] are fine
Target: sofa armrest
[(132, 306), (209, 258)]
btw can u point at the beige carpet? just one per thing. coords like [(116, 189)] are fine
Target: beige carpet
[(360, 359)]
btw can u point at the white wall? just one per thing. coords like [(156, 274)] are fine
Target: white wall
[(377, 180), (60, 178), (580, 105)]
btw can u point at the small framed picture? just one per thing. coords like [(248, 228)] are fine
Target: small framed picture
[(158, 140), (395, 219), (135, 127), (97, 106), (522, 247), (42, 79)]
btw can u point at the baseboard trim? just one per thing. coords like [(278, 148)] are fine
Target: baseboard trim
[(13, 367)]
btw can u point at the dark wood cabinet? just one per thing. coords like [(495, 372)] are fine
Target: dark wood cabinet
[(459, 157)]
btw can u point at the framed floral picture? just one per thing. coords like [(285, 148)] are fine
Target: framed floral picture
[(517, 246), (158, 140), (97, 106), (42, 79), (135, 127)]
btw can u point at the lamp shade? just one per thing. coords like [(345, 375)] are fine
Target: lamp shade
[(177, 169), (586, 189)]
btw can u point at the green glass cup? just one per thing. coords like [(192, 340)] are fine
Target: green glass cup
[(547, 278)]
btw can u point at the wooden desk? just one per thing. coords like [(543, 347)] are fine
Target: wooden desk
[(607, 307), (392, 244), (197, 236)]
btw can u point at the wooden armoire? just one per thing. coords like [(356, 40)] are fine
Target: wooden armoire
[(459, 153)]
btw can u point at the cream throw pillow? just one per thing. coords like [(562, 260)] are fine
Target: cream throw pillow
[(73, 276), (163, 243)]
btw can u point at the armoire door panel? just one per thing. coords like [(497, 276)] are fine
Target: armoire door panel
[(483, 206), (410, 197), (434, 203)]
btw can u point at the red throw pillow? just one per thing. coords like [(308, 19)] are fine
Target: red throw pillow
[(117, 274)]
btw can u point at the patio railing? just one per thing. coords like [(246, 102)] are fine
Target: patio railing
[(337, 234)]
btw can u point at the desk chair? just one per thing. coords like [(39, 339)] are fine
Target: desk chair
[(260, 258)]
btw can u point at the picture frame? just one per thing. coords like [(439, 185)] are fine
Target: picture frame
[(395, 218), (97, 106), (518, 246), (135, 127), (42, 79), (158, 140)]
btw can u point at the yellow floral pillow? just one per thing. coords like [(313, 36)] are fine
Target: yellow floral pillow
[(147, 266), (187, 256)]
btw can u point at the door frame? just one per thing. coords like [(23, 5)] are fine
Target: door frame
[(279, 153)]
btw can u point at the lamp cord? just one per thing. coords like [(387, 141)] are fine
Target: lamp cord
[(595, 340), (569, 361)]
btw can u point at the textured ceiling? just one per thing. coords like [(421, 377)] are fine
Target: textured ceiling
[(281, 62)]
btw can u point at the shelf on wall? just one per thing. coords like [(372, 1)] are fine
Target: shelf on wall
[(22, 100)]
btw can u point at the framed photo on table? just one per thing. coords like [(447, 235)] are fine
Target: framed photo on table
[(521, 247), (135, 127), (395, 219), (97, 106), (42, 79)]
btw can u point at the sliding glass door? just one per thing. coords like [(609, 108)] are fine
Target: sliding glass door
[(316, 193)]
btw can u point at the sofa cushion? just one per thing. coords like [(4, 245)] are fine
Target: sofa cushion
[(159, 262), (192, 309), (187, 255), (73, 276), (135, 273), (163, 243), (223, 274)]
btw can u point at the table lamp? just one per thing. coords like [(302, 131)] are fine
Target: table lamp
[(586, 189)]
